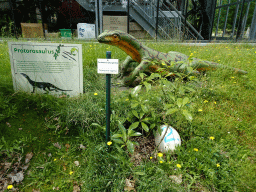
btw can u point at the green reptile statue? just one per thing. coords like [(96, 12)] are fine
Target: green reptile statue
[(151, 60)]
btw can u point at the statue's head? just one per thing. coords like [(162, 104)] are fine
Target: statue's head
[(111, 36)]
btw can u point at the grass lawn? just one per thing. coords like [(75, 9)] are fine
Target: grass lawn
[(59, 143)]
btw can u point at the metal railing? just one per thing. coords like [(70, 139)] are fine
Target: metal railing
[(171, 23), (239, 19)]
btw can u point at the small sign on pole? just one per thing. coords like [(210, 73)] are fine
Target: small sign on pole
[(108, 66)]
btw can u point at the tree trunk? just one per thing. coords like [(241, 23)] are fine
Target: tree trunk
[(208, 8)]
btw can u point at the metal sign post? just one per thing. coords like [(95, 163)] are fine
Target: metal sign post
[(108, 66), (108, 111)]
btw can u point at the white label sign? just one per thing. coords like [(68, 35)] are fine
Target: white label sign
[(107, 66), (47, 68), (86, 31)]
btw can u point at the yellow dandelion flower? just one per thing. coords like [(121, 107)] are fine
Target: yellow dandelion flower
[(126, 99), (238, 61), (71, 172), (205, 101), (212, 138), (95, 93), (232, 77), (160, 161), (218, 60), (200, 110), (218, 165), (160, 154), (215, 102), (10, 187), (55, 160), (163, 64), (195, 149), (178, 165), (150, 157), (109, 143), (234, 82)]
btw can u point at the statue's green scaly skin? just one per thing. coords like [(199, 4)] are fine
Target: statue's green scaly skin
[(152, 60)]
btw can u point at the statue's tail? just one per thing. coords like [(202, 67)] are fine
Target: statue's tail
[(201, 65)]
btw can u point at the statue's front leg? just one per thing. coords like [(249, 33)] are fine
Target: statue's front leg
[(143, 66), (125, 65)]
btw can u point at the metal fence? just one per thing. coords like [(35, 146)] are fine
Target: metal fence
[(239, 16)]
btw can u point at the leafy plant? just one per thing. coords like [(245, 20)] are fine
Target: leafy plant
[(124, 136), (179, 105)]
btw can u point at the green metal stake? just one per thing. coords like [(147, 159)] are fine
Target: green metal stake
[(108, 83)]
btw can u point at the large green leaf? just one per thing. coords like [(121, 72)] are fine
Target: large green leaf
[(146, 120), (152, 126), (179, 102), (135, 114), (117, 135), (171, 111), (135, 134), (148, 86), (119, 141), (134, 125), (144, 108), (130, 146), (190, 89), (123, 131), (141, 115), (187, 115), (185, 101), (136, 90), (154, 75), (134, 104), (167, 106), (142, 75), (144, 126), (99, 126)]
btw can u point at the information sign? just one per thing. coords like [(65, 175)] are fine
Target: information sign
[(107, 66), (47, 67)]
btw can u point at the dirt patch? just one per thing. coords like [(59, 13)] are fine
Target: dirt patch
[(144, 150)]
